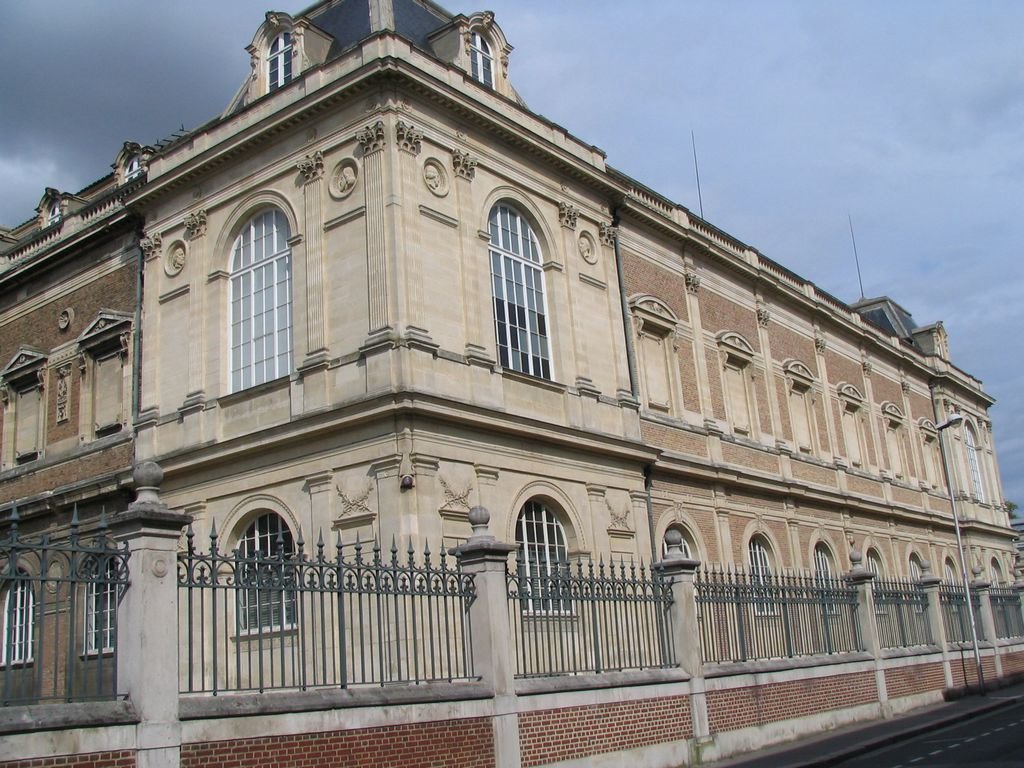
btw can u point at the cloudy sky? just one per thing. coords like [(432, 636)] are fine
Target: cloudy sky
[(905, 116)]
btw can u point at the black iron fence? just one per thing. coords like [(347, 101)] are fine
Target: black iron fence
[(259, 621), (747, 616), (570, 619), (955, 619), (901, 614), (58, 632), (1006, 612)]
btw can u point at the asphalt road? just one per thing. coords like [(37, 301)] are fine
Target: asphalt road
[(995, 740)]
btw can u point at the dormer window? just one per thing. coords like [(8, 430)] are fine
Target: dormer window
[(53, 213), (481, 61), (279, 62), (133, 168)]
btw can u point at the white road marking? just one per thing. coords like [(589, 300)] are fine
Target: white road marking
[(932, 754), (917, 758)]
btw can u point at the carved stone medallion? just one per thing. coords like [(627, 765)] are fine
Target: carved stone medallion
[(587, 248), (435, 177), (174, 259), (343, 179)]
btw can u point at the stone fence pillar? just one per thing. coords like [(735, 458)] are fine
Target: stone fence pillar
[(685, 624), (930, 586), (861, 579), (988, 622), (147, 623), (484, 558)]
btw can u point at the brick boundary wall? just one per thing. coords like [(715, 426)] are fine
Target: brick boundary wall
[(919, 678), (552, 735), (117, 759), (467, 742), (959, 663), (1013, 664), (735, 708)]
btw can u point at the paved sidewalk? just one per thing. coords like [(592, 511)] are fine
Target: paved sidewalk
[(832, 747)]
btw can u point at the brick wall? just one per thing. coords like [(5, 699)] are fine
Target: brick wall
[(919, 678), (91, 465), (744, 707), (551, 735), (467, 742), (643, 276), (118, 759)]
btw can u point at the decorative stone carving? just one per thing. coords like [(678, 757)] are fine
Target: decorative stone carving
[(764, 315), (174, 260), (66, 318), (195, 224), (343, 179), (820, 345), (435, 177), (354, 504), (692, 280), (619, 520), (587, 249), (125, 340), (63, 380), (5, 395), (567, 215), (905, 386), (312, 166), (457, 499), (463, 165), (372, 139), (151, 246), (409, 139), (608, 233), (867, 367)]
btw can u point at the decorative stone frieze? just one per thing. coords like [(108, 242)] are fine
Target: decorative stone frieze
[(463, 165), (151, 246), (608, 232), (312, 167), (356, 504), (409, 139), (692, 280), (63, 381), (568, 214), (195, 224), (455, 498), (372, 138)]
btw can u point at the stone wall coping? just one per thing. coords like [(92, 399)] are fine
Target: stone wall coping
[(736, 668), (534, 686), (282, 702), (917, 650), (57, 717)]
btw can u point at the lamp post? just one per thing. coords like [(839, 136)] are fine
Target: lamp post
[(953, 421)]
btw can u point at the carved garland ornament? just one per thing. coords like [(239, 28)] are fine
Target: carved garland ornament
[(355, 504), (453, 498), (63, 377), (619, 520)]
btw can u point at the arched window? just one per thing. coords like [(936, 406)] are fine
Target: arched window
[(133, 168), (542, 549), (996, 572), (874, 563), (687, 544), (481, 62), (18, 621), (517, 284), (916, 567), (279, 62), (265, 551), (759, 556), (261, 301), (823, 562), (101, 610), (53, 214), (973, 465), (949, 571)]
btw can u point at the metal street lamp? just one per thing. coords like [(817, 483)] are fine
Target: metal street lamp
[(954, 421)]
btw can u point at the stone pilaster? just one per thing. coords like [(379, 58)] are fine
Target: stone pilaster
[(311, 168)]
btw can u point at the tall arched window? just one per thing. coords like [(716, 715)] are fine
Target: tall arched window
[(265, 552), (261, 301), (949, 571), (973, 465), (874, 563), (481, 62), (517, 284), (759, 555), (279, 62), (916, 567), (18, 621), (542, 549), (822, 562), (687, 544), (101, 610)]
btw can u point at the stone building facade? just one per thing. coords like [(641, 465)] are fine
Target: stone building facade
[(380, 290)]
